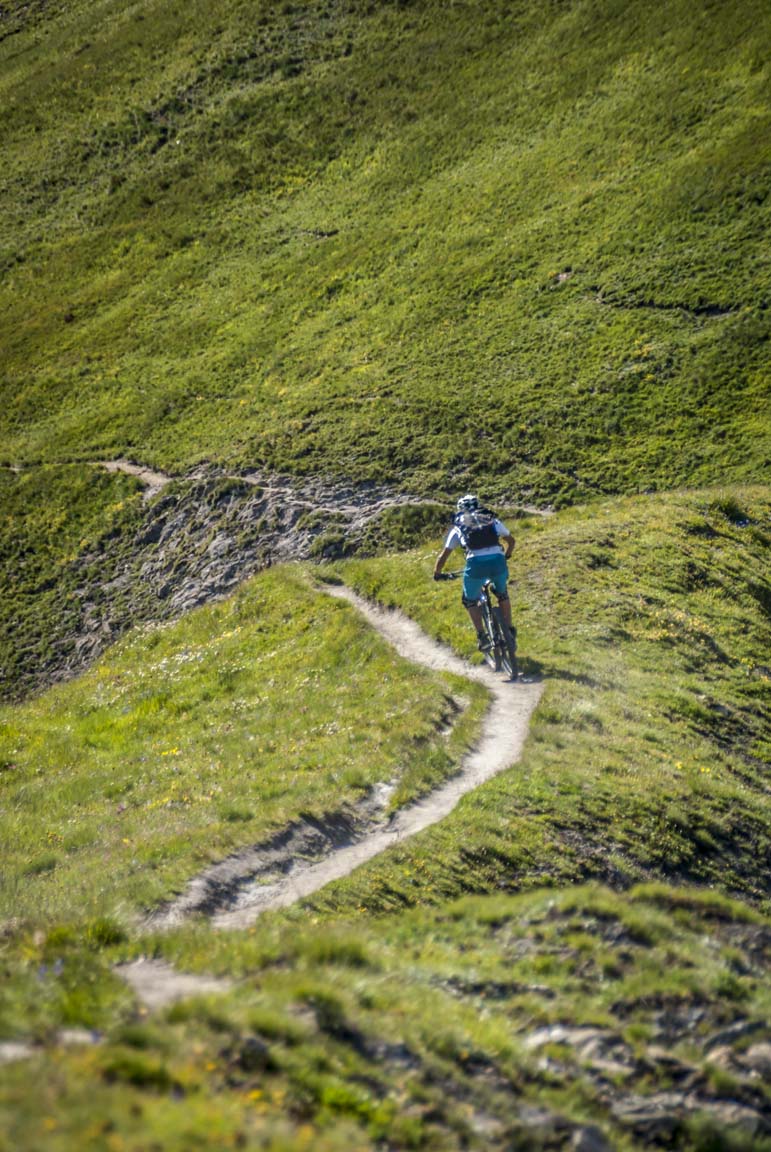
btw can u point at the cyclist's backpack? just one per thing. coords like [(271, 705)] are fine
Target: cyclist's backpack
[(477, 529)]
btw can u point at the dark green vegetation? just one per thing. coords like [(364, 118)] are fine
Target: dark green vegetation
[(351, 1026), (58, 525), (492, 1024), (419, 243), (390, 239)]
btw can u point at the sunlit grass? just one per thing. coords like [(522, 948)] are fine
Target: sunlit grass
[(347, 1027), (391, 240), (416, 244), (648, 755), (190, 739)]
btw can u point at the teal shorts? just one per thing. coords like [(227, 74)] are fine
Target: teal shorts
[(481, 568)]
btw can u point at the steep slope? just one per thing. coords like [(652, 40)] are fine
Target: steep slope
[(557, 1020), (647, 618), (390, 239), (522, 245)]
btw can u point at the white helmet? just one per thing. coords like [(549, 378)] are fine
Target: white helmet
[(467, 503)]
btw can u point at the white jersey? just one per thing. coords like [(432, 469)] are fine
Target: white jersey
[(454, 540)]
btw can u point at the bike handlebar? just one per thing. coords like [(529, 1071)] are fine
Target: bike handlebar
[(448, 576)]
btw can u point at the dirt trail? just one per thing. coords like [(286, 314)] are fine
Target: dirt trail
[(235, 892), (158, 984), (154, 482)]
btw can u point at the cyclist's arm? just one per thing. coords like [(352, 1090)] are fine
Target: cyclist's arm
[(441, 560), (505, 537)]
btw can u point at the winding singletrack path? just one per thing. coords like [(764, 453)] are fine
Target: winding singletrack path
[(504, 730)]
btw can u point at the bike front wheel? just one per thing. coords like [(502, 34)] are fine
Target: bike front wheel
[(505, 644)]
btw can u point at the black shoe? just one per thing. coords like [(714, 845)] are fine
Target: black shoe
[(483, 642)]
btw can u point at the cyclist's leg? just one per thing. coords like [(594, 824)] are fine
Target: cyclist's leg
[(475, 615), (472, 586), (508, 633), (500, 587)]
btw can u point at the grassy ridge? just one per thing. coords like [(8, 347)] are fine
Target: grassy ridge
[(520, 246), (648, 619), (649, 753), (379, 240), (490, 1024), (408, 243)]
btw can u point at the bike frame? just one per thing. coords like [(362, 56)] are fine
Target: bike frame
[(502, 654)]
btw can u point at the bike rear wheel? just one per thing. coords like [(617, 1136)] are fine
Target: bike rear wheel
[(505, 644)]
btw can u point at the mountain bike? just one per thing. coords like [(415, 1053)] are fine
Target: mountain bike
[(501, 654)]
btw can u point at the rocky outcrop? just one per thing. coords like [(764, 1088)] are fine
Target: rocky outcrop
[(196, 539)]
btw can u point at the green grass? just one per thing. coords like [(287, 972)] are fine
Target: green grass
[(391, 240), (191, 739), (520, 249), (399, 1005), (649, 620), (58, 530), (414, 1031), (409, 243)]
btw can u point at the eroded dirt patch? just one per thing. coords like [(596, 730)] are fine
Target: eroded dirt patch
[(194, 539), (157, 984), (153, 481)]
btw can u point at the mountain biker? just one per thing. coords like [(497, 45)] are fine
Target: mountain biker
[(479, 532)]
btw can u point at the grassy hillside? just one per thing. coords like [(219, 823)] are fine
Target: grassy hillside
[(496, 1024), (493, 1021), (390, 240), (648, 619), (192, 740), (515, 246)]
